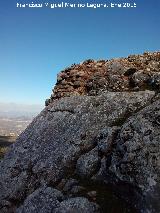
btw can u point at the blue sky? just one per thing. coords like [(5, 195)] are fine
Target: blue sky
[(35, 44)]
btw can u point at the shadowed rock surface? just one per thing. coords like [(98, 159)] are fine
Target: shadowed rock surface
[(92, 147)]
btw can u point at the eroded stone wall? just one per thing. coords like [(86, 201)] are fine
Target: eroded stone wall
[(136, 72)]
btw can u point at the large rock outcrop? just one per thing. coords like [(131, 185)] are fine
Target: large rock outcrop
[(95, 145)]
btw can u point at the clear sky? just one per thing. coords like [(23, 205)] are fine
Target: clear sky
[(37, 43)]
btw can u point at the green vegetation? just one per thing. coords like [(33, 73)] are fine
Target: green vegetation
[(2, 151), (5, 142)]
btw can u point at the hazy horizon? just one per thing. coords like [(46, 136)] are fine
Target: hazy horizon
[(21, 104), (12, 110)]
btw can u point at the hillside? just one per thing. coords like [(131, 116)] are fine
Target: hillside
[(95, 147)]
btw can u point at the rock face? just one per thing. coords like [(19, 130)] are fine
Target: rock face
[(100, 129), (137, 72)]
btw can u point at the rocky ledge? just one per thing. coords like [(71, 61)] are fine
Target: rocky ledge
[(96, 145), (137, 72)]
